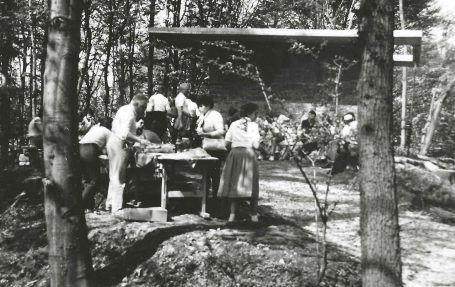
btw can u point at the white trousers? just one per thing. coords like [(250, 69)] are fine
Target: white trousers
[(118, 161)]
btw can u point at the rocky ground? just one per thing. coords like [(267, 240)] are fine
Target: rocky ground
[(189, 251)]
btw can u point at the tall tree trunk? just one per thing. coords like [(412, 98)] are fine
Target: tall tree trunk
[(22, 102), (175, 58), (151, 42), (23, 92), (109, 44), (433, 117), (88, 49), (404, 85), (43, 64), (5, 57), (33, 94), (122, 54), (4, 124), (69, 257), (132, 40), (121, 71), (381, 264)]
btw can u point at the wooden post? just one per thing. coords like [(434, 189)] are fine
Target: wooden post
[(205, 190), (163, 186)]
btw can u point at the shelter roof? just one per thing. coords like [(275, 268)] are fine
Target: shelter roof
[(190, 36)]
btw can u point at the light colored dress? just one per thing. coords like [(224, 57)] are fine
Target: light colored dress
[(240, 177)]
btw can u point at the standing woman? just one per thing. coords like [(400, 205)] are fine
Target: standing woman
[(156, 113), (211, 130), (240, 177)]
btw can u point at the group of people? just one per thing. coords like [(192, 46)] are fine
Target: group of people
[(237, 142), (159, 119), (331, 139)]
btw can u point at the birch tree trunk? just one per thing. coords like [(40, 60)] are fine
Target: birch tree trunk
[(404, 87), (69, 257), (380, 243), (433, 117)]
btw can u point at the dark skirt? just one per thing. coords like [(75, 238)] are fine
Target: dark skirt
[(240, 177), (156, 122)]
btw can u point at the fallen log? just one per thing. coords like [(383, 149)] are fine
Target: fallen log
[(443, 214), (445, 163), (424, 188)]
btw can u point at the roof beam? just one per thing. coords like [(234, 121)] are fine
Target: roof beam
[(402, 37), (188, 36)]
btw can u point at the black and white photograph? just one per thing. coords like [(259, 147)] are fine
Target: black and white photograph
[(227, 143)]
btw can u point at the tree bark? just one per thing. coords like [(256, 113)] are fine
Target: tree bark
[(433, 117), (381, 264), (69, 257)]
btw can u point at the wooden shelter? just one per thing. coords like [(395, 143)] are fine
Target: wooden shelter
[(289, 75)]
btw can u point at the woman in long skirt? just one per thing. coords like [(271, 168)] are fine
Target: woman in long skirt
[(240, 177)]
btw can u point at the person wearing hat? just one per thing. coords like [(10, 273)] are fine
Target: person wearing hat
[(349, 131), (348, 148)]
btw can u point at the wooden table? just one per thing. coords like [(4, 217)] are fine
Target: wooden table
[(169, 160)]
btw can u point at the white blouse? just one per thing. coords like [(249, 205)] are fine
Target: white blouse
[(211, 121), (239, 137), (158, 103), (96, 135)]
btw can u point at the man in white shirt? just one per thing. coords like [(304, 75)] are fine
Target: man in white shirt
[(123, 135), (156, 115), (90, 147)]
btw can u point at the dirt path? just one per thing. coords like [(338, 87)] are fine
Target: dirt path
[(190, 251), (428, 247)]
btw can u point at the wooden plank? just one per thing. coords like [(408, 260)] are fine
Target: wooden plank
[(181, 194), (403, 60), (144, 214)]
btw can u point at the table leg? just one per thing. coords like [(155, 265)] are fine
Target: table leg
[(205, 190), (163, 186)]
